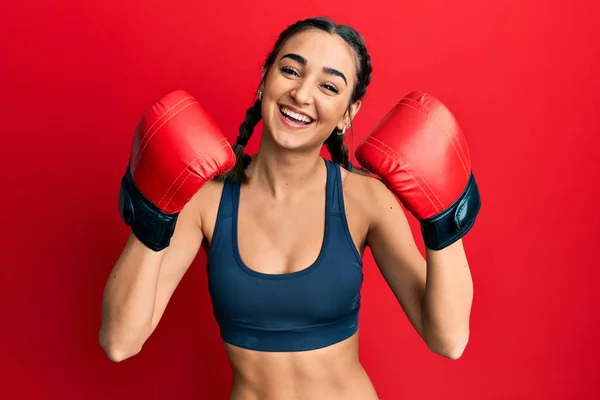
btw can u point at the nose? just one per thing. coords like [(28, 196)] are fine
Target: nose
[(302, 93)]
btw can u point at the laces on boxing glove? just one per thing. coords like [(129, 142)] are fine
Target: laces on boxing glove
[(153, 227), (455, 222)]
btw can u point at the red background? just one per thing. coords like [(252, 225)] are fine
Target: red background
[(522, 78)]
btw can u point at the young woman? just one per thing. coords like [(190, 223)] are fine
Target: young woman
[(284, 230)]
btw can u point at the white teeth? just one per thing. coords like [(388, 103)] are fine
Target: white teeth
[(296, 116)]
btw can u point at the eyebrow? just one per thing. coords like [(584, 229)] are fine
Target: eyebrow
[(328, 70)]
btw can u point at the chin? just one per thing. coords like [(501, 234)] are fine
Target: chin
[(291, 140)]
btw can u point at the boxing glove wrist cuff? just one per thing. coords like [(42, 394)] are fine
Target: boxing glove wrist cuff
[(150, 225), (453, 223)]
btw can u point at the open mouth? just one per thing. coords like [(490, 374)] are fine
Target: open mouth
[(294, 117)]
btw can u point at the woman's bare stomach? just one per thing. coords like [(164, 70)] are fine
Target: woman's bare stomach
[(333, 372)]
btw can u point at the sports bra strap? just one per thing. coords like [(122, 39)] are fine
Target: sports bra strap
[(226, 206), (334, 188)]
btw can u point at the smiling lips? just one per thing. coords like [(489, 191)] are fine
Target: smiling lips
[(294, 119)]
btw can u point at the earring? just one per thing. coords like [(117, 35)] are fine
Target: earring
[(343, 131), (259, 94)]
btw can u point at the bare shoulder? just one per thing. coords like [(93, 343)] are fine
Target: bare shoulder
[(207, 201), (368, 193), (208, 194), (366, 200)]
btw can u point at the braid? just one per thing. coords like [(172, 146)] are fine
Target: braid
[(337, 148), (253, 117)]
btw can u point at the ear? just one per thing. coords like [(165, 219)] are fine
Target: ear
[(263, 74), (349, 115)]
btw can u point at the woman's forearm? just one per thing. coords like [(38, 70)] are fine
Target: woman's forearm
[(128, 301), (447, 300)]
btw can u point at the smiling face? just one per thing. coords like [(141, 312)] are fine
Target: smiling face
[(308, 89)]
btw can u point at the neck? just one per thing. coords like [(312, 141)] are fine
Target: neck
[(283, 172)]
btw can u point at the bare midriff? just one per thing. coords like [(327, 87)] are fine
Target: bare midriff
[(333, 372)]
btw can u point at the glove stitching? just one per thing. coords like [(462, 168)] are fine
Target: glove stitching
[(452, 135), (431, 116), (151, 135), (163, 114), (194, 161), (410, 174), (202, 155)]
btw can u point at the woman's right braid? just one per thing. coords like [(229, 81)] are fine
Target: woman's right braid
[(253, 117)]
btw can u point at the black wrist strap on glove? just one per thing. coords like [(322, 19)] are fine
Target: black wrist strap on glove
[(453, 223), (150, 225)]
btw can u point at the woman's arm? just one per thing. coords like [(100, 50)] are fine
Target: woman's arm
[(141, 284), (435, 292)]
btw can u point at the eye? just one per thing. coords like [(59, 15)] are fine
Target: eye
[(289, 71), (331, 87)]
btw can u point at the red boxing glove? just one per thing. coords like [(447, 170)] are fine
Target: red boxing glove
[(420, 152), (176, 149)]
